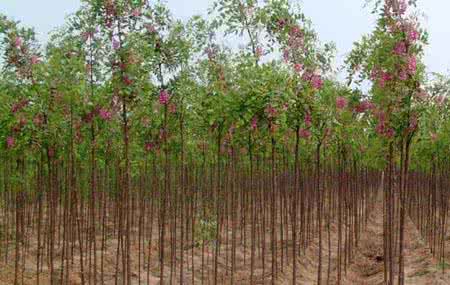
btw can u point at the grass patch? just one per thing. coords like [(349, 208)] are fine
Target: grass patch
[(443, 265), (421, 273)]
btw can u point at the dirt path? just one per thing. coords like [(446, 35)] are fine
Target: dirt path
[(367, 268)]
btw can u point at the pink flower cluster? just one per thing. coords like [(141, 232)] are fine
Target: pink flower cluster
[(396, 7), (19, 106), (304, 133), (382, 128), (295, 43), (364, 106), (308, 119), (400, 48), (381, 76), (298, 67), (127, 80), (164, 97), (10, 142), (314, 79), (412, 65), (413, 123), (341, 102), (105, 114), (149, 147), (254, 123)]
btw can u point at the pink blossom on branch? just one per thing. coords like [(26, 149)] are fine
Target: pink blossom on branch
[(164, 97), (400, 48), (316, 81), (341, 103), (364, 106), (412, 65), (10, 141), (149, 147), (105, 114), (413, 35), (308, 119), (304, 133), (298, 67), (402, 75)]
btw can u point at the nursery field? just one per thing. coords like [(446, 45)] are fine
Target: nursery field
[(137, 148)]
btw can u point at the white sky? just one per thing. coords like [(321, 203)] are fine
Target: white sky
[(340, 21)]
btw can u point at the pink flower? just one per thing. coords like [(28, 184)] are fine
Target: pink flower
[(412, 65), (304, 133), (307, 75), (19, 106), (10, 141), (105, 114), (413, 123), (363, 106), (389, 133), (164, 97), (149, 147), (254, 123), (384, 78), (298, 67), (413, 35), (402, 7), (374, 73), (400, 48), (295, 30), (341, 102), (127, 80), (403, 75), (380, 128), (281, 23), (308, 120), (18, 42), (317, 81)]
